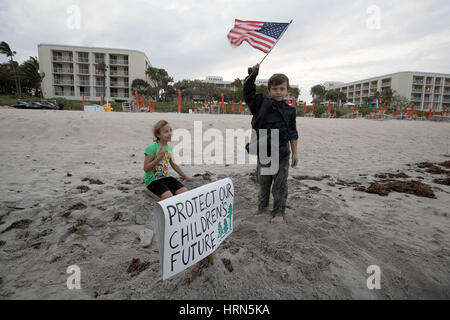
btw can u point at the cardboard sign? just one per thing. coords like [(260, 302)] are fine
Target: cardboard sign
[(190, 226)]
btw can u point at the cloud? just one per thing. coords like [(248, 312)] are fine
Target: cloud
[(328, 40)]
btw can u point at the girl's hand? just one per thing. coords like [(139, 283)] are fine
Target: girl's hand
[(187, 178), (161, 153)]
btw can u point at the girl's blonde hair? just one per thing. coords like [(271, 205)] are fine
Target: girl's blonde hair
[(157, 127)]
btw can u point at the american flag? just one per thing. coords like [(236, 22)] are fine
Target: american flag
[(260, 35)]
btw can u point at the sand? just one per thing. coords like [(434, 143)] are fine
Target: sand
[(50, 218)]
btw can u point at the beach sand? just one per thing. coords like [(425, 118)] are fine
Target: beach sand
[(50, 218)]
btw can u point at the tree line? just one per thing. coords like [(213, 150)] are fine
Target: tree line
[(387, 95), (163, 88)]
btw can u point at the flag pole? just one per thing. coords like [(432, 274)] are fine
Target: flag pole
[(253, 71)]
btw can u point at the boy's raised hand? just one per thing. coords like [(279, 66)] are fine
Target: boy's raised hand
[(252, 71)]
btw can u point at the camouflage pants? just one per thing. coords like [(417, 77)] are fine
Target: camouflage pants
[(279, 185)]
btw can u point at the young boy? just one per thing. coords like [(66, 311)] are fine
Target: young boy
[(276, 114)]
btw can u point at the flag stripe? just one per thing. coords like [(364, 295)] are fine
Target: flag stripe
[(238, 41), (258, 39), (245, 29), (254, 23), (260, 35), (253, 44)]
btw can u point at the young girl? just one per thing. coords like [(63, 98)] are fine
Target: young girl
[(158, 155)]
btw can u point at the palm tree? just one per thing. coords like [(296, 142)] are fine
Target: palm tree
[(6, 50), (387, 95), (367, 100), (30, 71), (342, 97), (376, 96), (160, 79), (102, 67), (237, 83), (318, 92)]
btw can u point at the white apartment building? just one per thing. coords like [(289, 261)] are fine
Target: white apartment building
[(71, 71), (425, 90), (330, 85)]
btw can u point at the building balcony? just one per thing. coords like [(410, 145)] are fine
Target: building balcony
[(97, 61), (118, 73), (118, 62), (417, 81), (83, 82), (417, 90), (83, 71), (99, 84), (83, 60), (62, 59), (120, 84), (63, 82), (64, 94), (62, 70)]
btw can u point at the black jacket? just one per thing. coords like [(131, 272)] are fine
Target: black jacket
[(268, 114)]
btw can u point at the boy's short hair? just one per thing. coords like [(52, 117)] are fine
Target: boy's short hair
[(277, 79)]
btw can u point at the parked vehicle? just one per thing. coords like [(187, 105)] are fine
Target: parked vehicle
[(49, 105)]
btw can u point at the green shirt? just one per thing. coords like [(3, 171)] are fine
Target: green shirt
[(161, 170)]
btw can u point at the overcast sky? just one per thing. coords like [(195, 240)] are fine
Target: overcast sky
[(328, 40)]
